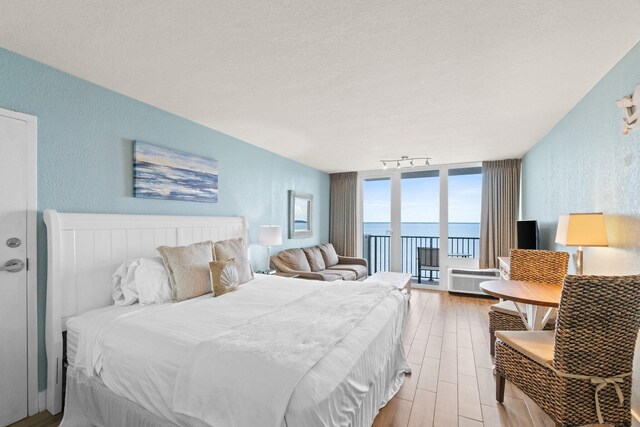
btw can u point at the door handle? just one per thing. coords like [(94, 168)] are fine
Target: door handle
[(12, 266)]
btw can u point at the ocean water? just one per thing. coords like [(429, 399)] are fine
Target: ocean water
[(456, 229), (463, 242)]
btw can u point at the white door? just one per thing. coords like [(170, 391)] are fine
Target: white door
[(14, 170)]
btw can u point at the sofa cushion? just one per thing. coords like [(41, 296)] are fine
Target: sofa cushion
[(314, 257), (505, 307), (359, 270), (329, 276), (328, 254), (294, 259), (345, 274)]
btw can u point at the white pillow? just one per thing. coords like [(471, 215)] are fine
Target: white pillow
[(145, 280), (152, 281), (124, 290)]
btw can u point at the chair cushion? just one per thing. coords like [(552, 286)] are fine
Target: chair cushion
[(329, 254), (314, 257), (294, 259), (359, 270), (536, 345), (508, 307), (345, 274)]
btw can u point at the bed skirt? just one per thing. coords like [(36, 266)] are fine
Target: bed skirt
[(90, 403)]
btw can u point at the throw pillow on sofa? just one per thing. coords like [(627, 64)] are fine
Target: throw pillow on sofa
[(294, 259), (315, 259), (328, 254)]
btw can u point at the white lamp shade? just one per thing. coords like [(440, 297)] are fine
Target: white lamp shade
[(270, 235), (582, 229)]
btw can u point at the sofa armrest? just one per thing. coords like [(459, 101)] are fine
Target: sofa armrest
[(352, 260), (282, 267)]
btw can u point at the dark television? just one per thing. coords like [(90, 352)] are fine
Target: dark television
[(528, 235)]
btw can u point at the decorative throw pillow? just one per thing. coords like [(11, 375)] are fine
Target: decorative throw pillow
[(314, 256), (224, 277), (235, 249), (294, 259), (188, 268), (328, 254)]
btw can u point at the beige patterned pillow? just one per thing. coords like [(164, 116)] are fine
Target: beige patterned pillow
[(224, 277), (188, 268), (236, 249)]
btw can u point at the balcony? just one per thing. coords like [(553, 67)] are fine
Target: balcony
[(376, 250)]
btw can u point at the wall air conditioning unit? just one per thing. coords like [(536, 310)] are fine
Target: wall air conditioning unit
[(468, 281)]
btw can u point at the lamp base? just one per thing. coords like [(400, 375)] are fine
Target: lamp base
[(579, 261)]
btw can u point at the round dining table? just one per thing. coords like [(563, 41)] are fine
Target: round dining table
[(536, 302)]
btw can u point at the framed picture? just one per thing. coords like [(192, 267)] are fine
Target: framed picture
[(300, 217), (163, 173)]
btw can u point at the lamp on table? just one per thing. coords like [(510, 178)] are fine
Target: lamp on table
[(581, 229), (269, 235)]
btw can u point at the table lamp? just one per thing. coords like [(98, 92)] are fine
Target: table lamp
[(581, 229), (269, 235)]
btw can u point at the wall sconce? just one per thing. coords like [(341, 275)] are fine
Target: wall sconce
[(629, 104)]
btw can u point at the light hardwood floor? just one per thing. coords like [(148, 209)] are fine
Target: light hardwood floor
[(446, 340)]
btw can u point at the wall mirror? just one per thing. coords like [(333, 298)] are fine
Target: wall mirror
[(300, 209)]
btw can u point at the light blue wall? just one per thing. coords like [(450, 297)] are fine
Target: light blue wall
[(85, 135), (585, 164)]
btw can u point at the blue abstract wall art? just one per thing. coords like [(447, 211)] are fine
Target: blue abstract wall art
[(163, 173)]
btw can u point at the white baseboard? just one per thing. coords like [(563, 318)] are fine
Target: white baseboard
[(425, 286), (42, 400)]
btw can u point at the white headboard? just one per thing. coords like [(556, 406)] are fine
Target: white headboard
[(85, 249)]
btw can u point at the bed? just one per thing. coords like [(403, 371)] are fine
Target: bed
[(172, 364)]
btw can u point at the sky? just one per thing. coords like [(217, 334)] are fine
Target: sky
[(420, 199)]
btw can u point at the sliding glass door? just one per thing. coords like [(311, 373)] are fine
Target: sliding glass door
[(420, 227), (376, 223), (421, 221), (465, 196)]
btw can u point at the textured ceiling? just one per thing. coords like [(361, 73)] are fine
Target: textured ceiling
[(338, 85)]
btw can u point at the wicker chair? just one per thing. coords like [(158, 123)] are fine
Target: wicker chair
[(589, 359), (531, 266)]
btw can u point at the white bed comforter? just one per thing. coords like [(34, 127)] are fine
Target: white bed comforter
[(241, 367), (217, 359)]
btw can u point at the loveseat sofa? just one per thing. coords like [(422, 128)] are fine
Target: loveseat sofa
[(320, 263)]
